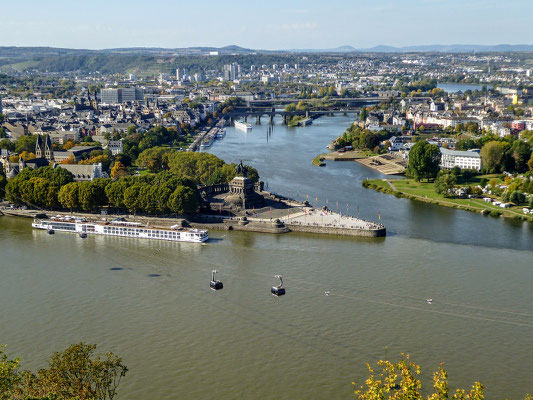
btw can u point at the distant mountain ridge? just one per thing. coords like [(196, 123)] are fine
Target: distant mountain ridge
[(440, 48), (450, 48), (27, 51), (155, 60)]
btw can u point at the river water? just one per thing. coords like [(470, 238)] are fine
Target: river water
[(149, 302), (460, 87)]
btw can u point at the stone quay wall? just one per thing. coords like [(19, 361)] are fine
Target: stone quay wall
[(331, 230)]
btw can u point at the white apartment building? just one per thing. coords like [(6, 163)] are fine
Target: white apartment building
[(461, 159), (115, 146)]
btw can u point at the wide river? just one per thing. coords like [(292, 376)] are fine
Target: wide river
[(149, 302)]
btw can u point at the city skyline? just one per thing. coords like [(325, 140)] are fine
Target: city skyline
[(300, 25)]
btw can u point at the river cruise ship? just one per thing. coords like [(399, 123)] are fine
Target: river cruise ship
[(221, 132), (243, 126), (208, 140), (119, 227)]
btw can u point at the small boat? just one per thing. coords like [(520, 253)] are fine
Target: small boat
[(83, 235), (51, 231), (243, 126), (429, 301)]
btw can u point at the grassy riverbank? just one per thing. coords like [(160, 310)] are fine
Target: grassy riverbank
[(423, 191), (319, 160), (295, 121)]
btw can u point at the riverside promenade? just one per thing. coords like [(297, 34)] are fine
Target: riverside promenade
[(328, 222), (309, 219)]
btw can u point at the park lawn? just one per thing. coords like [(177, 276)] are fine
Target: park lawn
[(382, 183), (426, 191)]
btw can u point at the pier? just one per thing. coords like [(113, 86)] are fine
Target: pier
[(328, 222)]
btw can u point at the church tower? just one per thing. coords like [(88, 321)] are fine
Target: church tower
[(48, 149), (39, 148)]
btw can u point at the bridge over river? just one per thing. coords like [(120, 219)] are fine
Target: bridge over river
[(276, 107)]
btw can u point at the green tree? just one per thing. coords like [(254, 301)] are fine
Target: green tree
[(530, 163), (160, 195), (132, 198), (444, 183), (69, 196), (521, 153), (154, 159), (3, 183), (115, 193), (517, 197), (7, 144), (424, 161), (26, 143), (131, 130), (183, 201), (9, 375), (91, 195), (493, 156), (196, 166), (76, 373), (363, 115)]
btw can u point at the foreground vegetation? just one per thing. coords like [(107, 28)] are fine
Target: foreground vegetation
[(400, 381), (77, 373)]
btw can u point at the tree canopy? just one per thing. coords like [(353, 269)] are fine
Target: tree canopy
[(445, 182), (493, 156), (424, 161), (75, 373)]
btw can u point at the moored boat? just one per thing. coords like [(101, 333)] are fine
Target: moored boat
[(243, 125), (120, 227)]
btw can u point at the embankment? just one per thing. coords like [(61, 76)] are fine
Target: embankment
[(385, 186)]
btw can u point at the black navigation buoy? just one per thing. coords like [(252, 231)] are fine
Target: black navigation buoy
[(278, 290), (215, 284), (51, 231), (83, 235)]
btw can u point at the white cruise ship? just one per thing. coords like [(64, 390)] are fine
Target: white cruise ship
[(119, 227), (243, 125), (220, 133)]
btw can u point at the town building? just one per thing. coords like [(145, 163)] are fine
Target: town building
[(115, 147), (231, 71), (463, 159), (121, 95)]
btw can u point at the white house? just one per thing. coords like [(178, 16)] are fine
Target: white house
[(461, 159), (115, 146)]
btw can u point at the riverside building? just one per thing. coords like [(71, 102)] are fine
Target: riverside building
[(463, 159)]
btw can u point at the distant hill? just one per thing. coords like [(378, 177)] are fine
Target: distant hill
[(153, 60), (340, 49), (452, 48)]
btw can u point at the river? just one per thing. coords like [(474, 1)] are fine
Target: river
[(149, 302), (459, 87)]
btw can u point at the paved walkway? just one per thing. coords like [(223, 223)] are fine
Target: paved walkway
[(329, 219)]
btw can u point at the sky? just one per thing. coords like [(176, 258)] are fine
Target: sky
[(274, 24)]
